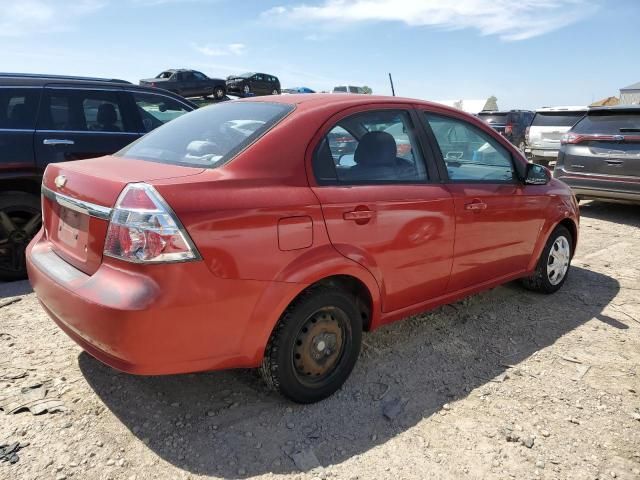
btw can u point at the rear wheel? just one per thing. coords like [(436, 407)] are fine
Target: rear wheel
[(218, 93), (553, 267), (275, 92), (20, 220), (315, 345)]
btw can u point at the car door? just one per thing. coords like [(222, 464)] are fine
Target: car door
[(383, 207), (259, 85), (18, 109), (76, 123), (498, 217)]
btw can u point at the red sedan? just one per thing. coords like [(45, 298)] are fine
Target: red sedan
[(235, 237)]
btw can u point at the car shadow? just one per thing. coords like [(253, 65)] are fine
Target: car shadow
[(622, 213), (229, 425), (14, 289)]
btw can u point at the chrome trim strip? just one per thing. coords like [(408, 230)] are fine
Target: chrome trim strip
[(88, 208), (18, 130), (88, 132)]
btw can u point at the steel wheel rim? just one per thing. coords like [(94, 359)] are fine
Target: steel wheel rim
[(218, 93), (17, 228), (275, 92), (558, 261), (246, 89), (319, 345)]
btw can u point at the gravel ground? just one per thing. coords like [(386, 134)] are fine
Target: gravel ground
[(506, 384)]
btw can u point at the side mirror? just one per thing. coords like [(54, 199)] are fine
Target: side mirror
[(537, 175)]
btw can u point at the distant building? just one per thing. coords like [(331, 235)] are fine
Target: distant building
[(466, 104), (606, 102), (630, 95)]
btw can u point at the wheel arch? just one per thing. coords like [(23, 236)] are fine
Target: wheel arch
[(335, 270)]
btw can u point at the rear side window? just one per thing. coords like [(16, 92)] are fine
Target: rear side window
[(609, 123), (209, 136), (340, 89), (369, 148), (83, 110), (556, 119), (469, 153), (492, 118), (18, 107)]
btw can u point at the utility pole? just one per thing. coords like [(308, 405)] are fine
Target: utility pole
[(393, 91)]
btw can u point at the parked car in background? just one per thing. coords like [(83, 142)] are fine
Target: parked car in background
[(48, 119), (600, 156), (253, 84), (143, 261), (511, 124), (349, 89), (547, 128), (298, 90), (188, 83)]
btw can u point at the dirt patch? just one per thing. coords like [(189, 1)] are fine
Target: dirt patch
[(506, 384)]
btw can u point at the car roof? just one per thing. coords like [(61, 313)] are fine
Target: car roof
[(570, 108), (42, 79), (311, 101), (492, 112), (616, 109)]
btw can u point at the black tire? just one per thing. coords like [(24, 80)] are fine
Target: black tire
[(275, 92), (540, 281), (218, 93), (20, 220), (284, 370)]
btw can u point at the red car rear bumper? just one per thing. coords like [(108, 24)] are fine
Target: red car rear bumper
[(156, 319)]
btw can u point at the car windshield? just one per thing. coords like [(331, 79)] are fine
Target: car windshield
[(493, 117), (609, 123), (207, 137), (340, 89), (556, 119), (165, 75), (246, 75)]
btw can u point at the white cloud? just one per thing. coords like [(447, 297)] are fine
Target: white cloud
[(25, 17), (235, 49), (508, 19)]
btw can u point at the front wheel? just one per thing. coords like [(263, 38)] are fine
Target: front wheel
[(553, 267), (246, 90), (315, 345), (275, 92)]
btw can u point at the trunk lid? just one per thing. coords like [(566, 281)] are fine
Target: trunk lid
[(78, 196), (621, 158)]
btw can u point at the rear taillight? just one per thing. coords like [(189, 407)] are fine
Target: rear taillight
[(526, 134), (575, 138), (144, 229)]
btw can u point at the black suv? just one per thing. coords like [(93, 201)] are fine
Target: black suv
[(46, 119), (253, 84), (511, 124)]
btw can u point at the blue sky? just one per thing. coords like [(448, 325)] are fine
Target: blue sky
[(528, 53)]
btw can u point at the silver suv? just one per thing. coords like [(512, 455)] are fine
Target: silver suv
[(547, 128)]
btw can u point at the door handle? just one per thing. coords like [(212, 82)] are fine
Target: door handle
[(476, 205), (358, 215), (55, 141)]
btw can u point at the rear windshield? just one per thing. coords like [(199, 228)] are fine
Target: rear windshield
[(609, 123), (209, 136), (556, 119), (493, 117)]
